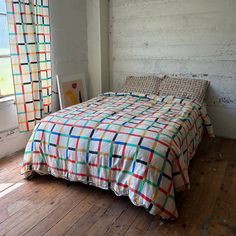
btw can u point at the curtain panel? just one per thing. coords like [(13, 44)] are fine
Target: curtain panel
[(29, 33)]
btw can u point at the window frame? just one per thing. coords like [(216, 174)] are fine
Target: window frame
[(6, 56)]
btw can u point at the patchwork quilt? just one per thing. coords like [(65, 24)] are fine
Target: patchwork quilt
[(134, 144)]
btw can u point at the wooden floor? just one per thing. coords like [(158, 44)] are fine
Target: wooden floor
[(50, 206)]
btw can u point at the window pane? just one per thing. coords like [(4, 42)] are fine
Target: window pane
[(2, 6), (4, 39), (6, 80)]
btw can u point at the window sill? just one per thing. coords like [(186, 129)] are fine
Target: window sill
[(7, 99)]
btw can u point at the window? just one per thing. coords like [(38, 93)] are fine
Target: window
[(6, 80)]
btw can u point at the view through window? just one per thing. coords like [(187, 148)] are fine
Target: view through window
[(6, 80)]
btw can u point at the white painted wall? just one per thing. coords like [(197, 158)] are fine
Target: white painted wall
[(193, 38), (69, 56), (68, 21), (98, 55), (94, 47), (104, 31)]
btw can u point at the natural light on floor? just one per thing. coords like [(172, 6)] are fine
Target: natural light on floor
[(6, 188)]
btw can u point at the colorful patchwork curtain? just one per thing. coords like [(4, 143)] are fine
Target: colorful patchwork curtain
[(30, 56)]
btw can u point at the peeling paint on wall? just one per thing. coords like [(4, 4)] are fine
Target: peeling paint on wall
[(11, 140), (226, 100), (7, 134)]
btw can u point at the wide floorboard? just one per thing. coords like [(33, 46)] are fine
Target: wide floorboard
[(49, 206)]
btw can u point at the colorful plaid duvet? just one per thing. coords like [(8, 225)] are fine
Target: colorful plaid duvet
[(136, 145)]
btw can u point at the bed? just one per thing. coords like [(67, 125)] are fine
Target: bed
[(134, 144)]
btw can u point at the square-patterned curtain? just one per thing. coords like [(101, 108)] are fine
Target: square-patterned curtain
[(29, 31)]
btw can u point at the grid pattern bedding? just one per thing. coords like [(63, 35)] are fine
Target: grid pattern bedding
[(133, 144)]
